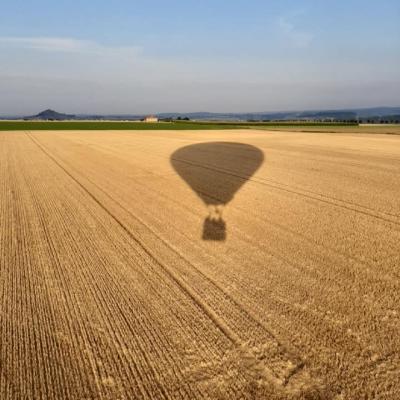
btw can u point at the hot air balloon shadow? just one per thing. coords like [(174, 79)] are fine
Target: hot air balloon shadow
[(216, 171)]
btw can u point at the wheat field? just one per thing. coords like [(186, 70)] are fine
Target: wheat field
[(234, 264)]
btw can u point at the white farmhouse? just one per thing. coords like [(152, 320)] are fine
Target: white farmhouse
[(151, 118)]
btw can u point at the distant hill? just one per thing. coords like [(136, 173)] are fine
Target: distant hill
[(51, 115)]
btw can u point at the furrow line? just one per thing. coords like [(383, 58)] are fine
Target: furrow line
[(120, 287), (211, 314)]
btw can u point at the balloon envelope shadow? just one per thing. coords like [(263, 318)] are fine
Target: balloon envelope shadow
[(216, 171)]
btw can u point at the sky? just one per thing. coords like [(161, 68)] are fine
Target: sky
[(150, 56)]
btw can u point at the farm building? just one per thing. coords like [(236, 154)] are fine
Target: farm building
[(151, 118)]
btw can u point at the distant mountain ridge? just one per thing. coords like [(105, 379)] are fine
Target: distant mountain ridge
[(373, 114), (344, 114)]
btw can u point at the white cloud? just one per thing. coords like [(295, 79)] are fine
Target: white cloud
[(66, 45), (297, 37)]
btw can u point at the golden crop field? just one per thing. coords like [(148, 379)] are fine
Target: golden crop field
[(235, 264)]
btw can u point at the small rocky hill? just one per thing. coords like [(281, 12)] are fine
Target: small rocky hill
[(51, 115)]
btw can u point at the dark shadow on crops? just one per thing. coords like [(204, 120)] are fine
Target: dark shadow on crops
[(216, 171)]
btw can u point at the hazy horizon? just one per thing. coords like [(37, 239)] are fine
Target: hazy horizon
[(177, 112), (135, 57)]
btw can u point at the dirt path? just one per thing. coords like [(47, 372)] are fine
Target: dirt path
[(108, 290)]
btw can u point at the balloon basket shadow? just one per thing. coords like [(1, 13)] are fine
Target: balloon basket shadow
[(214, 229)]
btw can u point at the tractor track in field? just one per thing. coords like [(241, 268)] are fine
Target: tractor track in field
[(178, 281), (348, 205), (280, 379), (105, 304)]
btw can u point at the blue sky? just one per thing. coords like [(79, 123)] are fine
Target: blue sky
[(151, 56)]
